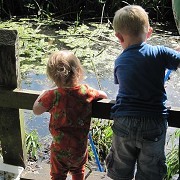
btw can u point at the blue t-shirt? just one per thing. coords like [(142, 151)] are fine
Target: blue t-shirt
[(140, 72)]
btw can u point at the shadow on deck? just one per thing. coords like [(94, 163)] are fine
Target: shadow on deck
[(42, 173)]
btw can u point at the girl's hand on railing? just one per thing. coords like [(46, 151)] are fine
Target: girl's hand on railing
[(177, 48)]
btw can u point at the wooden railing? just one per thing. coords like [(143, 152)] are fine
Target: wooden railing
[(12, 99)]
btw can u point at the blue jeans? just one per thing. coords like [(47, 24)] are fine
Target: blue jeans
[(137, 149)]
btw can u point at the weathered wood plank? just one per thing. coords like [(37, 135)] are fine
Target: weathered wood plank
[(12, 144), (18, 99), (24, 99), (11, 126), (102, 108), (8, 59)]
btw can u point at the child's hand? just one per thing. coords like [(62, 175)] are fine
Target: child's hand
[(177, 48), (43, 92)]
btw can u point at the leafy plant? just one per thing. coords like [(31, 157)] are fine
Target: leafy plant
[(102, 136), (173, 156), (77, 22), (32, 144), (34, 47)]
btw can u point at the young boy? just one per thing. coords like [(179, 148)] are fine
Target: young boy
[(140, 115)]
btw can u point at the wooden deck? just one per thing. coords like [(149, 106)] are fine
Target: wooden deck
[(42, 173)]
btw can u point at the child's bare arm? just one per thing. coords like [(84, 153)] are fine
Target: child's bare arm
[(37, 107)]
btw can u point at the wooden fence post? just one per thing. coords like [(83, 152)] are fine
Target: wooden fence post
[(12, 134)]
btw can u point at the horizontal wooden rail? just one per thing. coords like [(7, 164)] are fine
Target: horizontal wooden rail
[(24, 99), (18, 99)]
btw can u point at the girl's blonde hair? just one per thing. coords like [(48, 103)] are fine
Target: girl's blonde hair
[(64, 68), (132, 20)]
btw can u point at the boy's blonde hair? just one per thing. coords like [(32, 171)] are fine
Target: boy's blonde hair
[(64, 68), (132, 20)]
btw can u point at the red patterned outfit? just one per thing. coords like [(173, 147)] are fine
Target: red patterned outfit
[(70, 110)]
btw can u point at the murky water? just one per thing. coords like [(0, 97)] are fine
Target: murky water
[(40, 82)]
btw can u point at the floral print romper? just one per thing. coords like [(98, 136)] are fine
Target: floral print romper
[(70, 110)]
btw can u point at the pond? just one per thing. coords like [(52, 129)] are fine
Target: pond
[(97, 47), (40, 82), (99, 72)]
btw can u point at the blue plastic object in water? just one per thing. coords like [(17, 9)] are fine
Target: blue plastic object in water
[(95, 153), (167, 75)]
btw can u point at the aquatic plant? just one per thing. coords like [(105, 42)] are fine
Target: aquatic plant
[(102, 136), (173, 156), (32, 144)]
